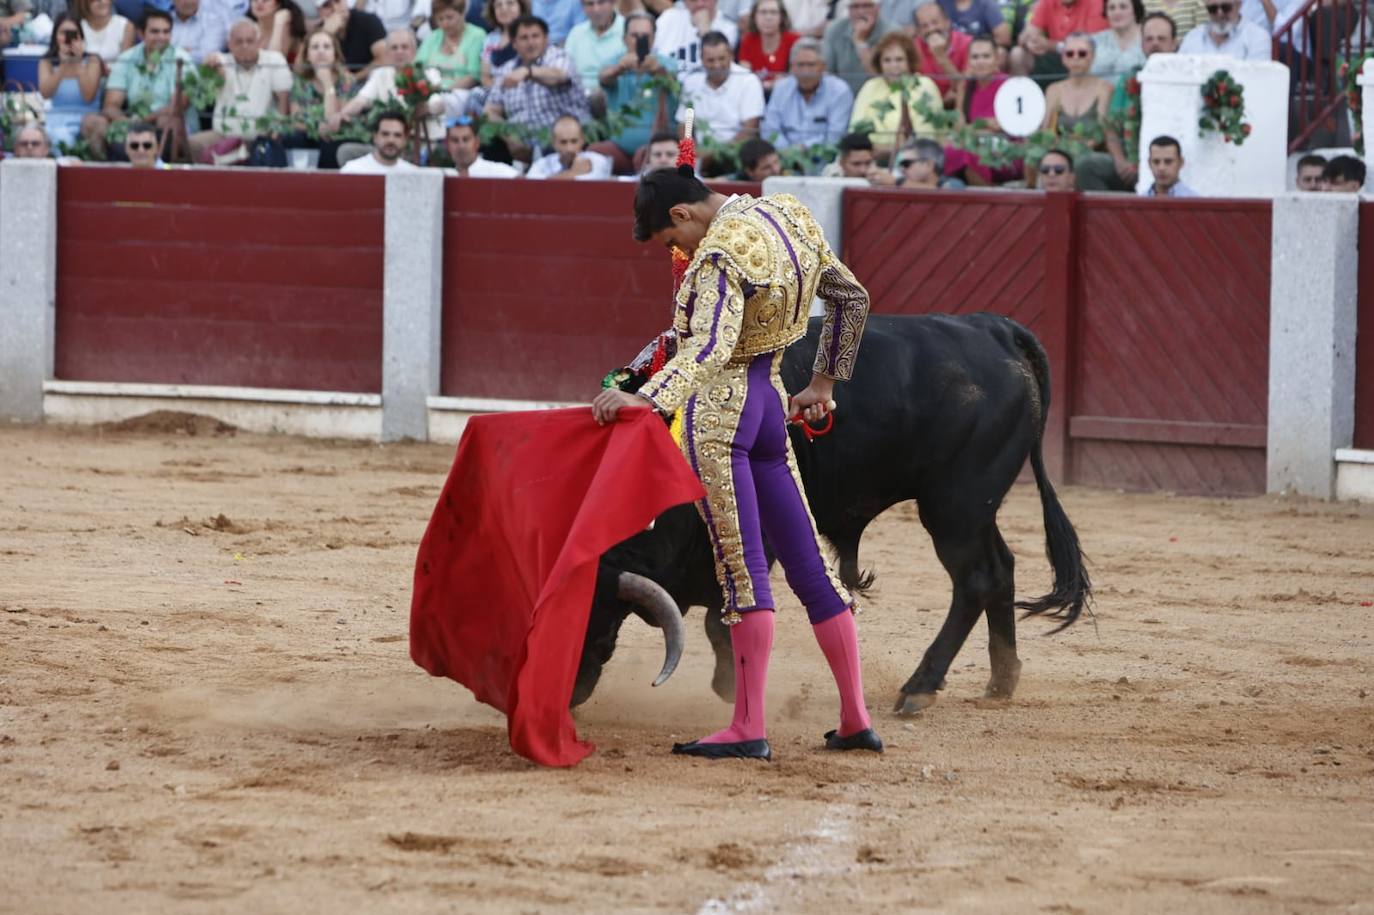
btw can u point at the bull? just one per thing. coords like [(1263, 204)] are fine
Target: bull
[(941, 409)]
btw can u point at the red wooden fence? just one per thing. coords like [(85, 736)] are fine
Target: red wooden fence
[(1154, 315), (1364, 334), (255, 279), (545, 290)]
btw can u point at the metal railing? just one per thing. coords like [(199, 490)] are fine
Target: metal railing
[(1314, 42)]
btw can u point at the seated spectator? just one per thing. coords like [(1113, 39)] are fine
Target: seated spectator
[(70, 79), (728, 98), (1076, 108), (539, 85), (13, 15), (1016, 14), (1310, 169), (624, 82), (200, 27), (454, 48), (1225, 35), (141, 146), (596, 43), (497, 49), (32, 143), (682, 31), (571, 160), (880, 99), (460, 139), (1157, 36), (1052, 22), (390, 134), (1055, 171), (920, 166), (1344, 175), (143, 81), (361, 35), (1166, 161), (855, 159), (1117, 50), (942, 52), (758, 159), (255, 82), (766, 45), (974, 101), (559, 15), (107, 33), (661, 152), (281, 26), (977, 19), (1186, 14), (810, 18), (380, 87), (400, 14), (810, 106), (848, 44), (321, 87)]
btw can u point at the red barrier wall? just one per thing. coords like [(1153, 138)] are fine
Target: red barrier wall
[(248, 278), (1154, 315), (1364, 334), (545, 290)]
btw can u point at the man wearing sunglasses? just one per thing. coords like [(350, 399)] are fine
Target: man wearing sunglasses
[(1225, 34), (140, 146), (1056, 172), (32, 143)]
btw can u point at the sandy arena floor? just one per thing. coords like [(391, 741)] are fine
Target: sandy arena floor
[(206, 705)]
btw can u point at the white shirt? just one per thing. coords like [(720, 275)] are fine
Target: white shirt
[(725, 108), (548, 166), (105, 43), (248, 93), (676, 37), (1247, 42), (369, 165), (485, 168)]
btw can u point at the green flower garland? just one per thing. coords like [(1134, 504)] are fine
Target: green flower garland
[(1223, 108)]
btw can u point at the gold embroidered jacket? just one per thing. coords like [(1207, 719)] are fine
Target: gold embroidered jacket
[(748, 291)]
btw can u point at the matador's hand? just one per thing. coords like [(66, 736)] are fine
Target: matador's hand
[(816, 400), (609, 402)]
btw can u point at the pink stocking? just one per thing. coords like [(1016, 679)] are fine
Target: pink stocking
[(752, 641), (839, 640)]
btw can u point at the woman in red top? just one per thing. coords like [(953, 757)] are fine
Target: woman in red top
[(767, 41)]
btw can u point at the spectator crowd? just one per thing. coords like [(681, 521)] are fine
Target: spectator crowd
[(897, 92)]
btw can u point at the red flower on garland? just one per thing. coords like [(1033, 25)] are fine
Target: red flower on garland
[(1223, 108)]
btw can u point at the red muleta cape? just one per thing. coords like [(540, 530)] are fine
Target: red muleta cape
[(506, 570)]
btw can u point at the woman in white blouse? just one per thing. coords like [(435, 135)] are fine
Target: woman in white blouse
[(107, 33)]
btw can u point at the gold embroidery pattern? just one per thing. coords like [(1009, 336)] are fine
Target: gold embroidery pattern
[(710, 337), (846, 300)]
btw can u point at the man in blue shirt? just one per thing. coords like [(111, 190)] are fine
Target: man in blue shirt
[(561, 15), (810, 106), (626, 80), (200, 27)]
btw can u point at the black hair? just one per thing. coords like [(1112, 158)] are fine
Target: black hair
[(752, 152), (152, 12), (710, 39), (523, 21), (1344, 168), (1312, 159), (852, 142), (1173, 26), (1059, 152), (660, 191), (1165, 140), (667, 136), (391, 115), (1137, 7), (141, 127)]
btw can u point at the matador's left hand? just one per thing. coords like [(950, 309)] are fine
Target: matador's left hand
[(816, 400), (608, 403)]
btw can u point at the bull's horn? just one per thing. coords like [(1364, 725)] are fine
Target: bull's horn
[(663, 609)]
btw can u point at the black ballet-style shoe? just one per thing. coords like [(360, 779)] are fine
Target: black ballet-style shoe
[(867, 739), (743, 749)]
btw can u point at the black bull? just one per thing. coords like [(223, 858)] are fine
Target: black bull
[(943, 410)]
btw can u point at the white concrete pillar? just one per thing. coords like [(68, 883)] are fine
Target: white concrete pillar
[(1312, 298), (1365, 80), (1171, 104), (824, 197), (28, 285), (412, 303)]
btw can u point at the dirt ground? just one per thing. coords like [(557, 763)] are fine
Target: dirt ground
[(206, 705)]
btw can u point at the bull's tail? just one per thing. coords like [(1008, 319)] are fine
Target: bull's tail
[(1072, 591)]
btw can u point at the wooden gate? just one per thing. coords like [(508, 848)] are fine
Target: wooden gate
[(1364, 334)]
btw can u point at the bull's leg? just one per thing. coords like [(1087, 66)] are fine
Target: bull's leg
[(1006, 666), (723, 679), (971, 570)]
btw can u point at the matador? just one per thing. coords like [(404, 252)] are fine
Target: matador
[(756, 265)]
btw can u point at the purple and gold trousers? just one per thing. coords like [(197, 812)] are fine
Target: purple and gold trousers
[(734, 434)]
